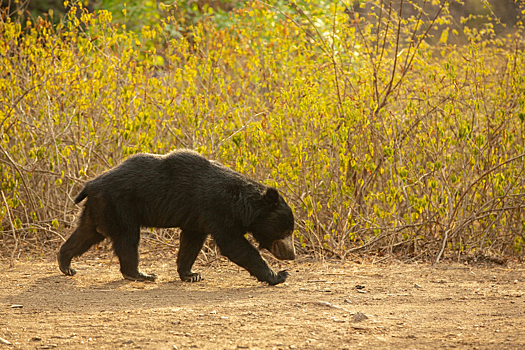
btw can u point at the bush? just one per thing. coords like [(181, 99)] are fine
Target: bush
[(379, 140)]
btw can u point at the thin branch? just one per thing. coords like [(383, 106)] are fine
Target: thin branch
[(15, 248)]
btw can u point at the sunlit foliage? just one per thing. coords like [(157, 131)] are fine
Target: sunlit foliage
[(381, 133)]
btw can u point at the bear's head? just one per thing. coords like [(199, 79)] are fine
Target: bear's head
[(274, 225)]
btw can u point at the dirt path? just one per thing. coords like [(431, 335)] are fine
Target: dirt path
[(408, 307)]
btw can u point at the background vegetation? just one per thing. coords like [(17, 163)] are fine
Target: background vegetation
[(390, 126)]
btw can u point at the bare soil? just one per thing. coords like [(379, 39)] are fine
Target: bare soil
[(407, 306)]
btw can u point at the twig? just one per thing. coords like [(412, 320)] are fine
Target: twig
[(245, 126), (325, 303), (11, 262), (17, 168)]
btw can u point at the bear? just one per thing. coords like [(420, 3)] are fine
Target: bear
[(186, 190)]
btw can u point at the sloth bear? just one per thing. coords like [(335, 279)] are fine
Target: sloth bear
[(182, 189)]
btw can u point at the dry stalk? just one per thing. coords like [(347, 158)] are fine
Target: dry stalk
[(15, 248)]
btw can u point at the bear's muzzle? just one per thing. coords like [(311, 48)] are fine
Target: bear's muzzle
[(283, 249)]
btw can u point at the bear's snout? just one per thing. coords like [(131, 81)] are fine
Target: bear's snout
[(283, 249)]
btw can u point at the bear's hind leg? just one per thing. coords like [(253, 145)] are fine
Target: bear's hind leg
[(126, 247), (84, 237), (190, 245)]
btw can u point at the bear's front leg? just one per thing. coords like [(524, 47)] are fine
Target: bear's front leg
[(241, 252)]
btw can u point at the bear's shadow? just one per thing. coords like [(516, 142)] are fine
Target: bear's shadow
[(61, 293)]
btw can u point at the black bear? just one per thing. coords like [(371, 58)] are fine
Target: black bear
[(182, 189)]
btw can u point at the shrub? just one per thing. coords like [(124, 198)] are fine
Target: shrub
[(379, 139)]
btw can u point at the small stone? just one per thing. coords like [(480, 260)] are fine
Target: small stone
[(358, 317)]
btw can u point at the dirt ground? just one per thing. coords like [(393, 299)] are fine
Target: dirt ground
[(407, 306)]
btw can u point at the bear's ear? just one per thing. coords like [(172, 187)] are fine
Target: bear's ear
[(271, 195)]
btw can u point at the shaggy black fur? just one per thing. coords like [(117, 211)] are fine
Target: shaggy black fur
[(182, 189)]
